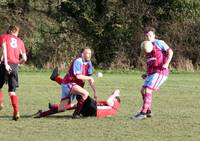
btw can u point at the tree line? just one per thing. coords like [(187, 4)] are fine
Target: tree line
[(55, 31)]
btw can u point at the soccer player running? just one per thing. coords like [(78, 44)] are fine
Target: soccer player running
[(12, 48), (73, 82), (158, 55)]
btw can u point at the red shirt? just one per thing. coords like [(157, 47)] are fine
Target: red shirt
[(14, 46)]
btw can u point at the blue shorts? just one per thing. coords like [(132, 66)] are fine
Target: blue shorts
[(154, 81), (66, 92)]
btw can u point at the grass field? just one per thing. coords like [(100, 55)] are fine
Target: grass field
[(176, 110)]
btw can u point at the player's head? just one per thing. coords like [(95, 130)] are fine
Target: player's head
[(149, 33), (13, 29), (147, 46), (86, 53)]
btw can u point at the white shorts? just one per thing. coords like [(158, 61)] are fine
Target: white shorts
[(154, 81)]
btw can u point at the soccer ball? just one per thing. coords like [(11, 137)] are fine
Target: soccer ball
[(99, 74), (147, 46)]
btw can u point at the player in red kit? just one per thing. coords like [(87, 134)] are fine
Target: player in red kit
[(12, 48)]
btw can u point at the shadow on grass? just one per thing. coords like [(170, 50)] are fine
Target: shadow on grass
[(21, 116), (48, 117), (53, 117), (59, 116)]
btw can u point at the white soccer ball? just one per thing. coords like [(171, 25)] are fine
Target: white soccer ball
[(99, 74), (147, 46)]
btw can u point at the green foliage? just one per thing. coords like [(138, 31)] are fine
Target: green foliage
[(54, 31)]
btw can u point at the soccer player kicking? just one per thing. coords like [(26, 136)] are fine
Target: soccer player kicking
[(73, 82), (12, 48), (91, 107), (158, 56)]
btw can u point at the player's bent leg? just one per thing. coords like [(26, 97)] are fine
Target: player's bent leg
[(58, 79), (62, 105), (54, 73), (57, 109), (110, 100), (70, 106), (108, 111), (77, 90), (55, 76)]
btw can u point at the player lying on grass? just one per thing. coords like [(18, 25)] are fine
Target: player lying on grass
[(158, 56), (90, 108)]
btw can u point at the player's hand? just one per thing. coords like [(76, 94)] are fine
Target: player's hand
[(8, 68), (165, 66), (144, 76)]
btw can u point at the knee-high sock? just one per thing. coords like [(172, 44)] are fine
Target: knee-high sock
[(58, 79), (49, 112), (14, 101), (147, 102), (1, 97), (79, 106)]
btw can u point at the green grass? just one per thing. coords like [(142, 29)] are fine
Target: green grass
[(175, 107)]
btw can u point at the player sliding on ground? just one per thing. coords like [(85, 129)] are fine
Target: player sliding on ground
[(90, 108), (158, 55), (73, 82)]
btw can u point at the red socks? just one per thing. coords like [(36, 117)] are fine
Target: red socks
[(79, 107), (14, 101), (58, 79)]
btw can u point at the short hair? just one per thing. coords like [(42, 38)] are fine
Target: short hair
[(147, 29), (83, 49), (12, 29)]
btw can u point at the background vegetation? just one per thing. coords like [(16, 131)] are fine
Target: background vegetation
[(54, 31)]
